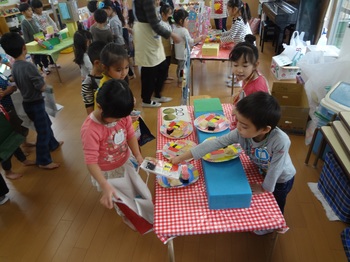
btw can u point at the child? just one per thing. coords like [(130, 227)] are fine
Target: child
[(245, 59), (100, 31), (6, 89), (114, 59), (31, 85), (241, 15), (29, 28), (166, 11), (114, 22), (266, 145), (181, 23), (82, 40), (92, 81), (92, 7), (108, 137), (43, 20)]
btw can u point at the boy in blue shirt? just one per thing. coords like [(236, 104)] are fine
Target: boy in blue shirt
[(31, 85)]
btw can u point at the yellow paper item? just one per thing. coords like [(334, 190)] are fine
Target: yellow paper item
[(210, 49), (50, 30)]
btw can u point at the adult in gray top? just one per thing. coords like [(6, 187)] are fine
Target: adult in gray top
[(265, 144)]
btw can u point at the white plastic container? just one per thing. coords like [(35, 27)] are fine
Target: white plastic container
[(336, 100)]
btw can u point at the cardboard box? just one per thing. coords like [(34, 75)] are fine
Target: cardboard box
[(33, 46), (294, 106), (281, 70), (210, 49)]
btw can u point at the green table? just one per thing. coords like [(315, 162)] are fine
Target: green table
[(54, 53)]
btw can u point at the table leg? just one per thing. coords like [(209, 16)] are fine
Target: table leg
[(320, 150), (274, 241), (311, 146), (171, 254), (58, 73), (191, 66)]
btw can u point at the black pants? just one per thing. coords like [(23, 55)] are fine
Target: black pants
[(168, 61), (43, 60), (3, 187), (152, 80), (7, 165)]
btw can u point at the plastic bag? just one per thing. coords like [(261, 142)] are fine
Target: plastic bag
[(297, 47)]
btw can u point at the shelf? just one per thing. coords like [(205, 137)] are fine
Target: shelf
[(12, 14)]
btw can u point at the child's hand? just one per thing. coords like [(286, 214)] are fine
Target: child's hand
[(108, 192), (175, 160), (139, 159), (257, 189)]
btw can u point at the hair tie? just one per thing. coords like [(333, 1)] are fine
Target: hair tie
[(100, 5)]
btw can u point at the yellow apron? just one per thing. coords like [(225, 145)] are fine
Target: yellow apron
[(149, 51)]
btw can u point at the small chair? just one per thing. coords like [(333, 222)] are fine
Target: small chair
[(269, 31)]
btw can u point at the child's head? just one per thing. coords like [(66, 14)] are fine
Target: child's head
[(115, 61), (115, 99), (108, 6), (26, 10), (13, 44), (131, 18), (245, 58), (166, 11), (100, 16), (257, 114), (181, 17), (81, 40), (92, 6), (236, 8), (37, 7), (94, 53)]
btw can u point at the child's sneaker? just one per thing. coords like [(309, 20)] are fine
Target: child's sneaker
[(54, 65), (46, 70), (152, 104), (3, 199), (162, 99)]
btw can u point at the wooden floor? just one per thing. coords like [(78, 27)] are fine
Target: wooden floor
[(56, 215)]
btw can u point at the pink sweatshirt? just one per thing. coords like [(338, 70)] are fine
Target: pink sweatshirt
[(106, 145)]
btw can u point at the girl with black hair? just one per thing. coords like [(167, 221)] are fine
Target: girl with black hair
[(81, 41)]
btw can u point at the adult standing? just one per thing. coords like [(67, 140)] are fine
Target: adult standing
[(149, 52), (219, 13)]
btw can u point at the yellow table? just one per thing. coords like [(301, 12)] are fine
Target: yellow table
[(54, 53)]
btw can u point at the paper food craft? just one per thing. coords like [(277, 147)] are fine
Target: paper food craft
[(161, 168), (188, 175), (177, 148), (212, 123), (223, 154), (176, 129)]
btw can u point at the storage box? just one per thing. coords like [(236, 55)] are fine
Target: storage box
[(328, 50), (281, 70), (33, 46), (228, 188), (294, 106), (334, 185), (336, 100), (54, 41), (210, 49)]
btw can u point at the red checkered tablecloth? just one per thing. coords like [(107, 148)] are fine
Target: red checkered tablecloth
[(185, 211)]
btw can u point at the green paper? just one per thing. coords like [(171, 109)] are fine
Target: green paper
[(207, 104)]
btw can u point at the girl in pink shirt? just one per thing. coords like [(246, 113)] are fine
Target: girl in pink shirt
[(245, 60), (108, 137)]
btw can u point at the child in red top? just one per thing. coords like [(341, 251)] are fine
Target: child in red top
[(245, 60)]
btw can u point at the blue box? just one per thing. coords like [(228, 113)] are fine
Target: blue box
[(228, 186), (226, 182)]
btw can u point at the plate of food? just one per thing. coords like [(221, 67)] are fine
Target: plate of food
[(177, 148), (211, 123), (176, 129), (223, 154), (188, 175)]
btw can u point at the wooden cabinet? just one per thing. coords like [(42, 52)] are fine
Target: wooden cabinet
[(8, 19)]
